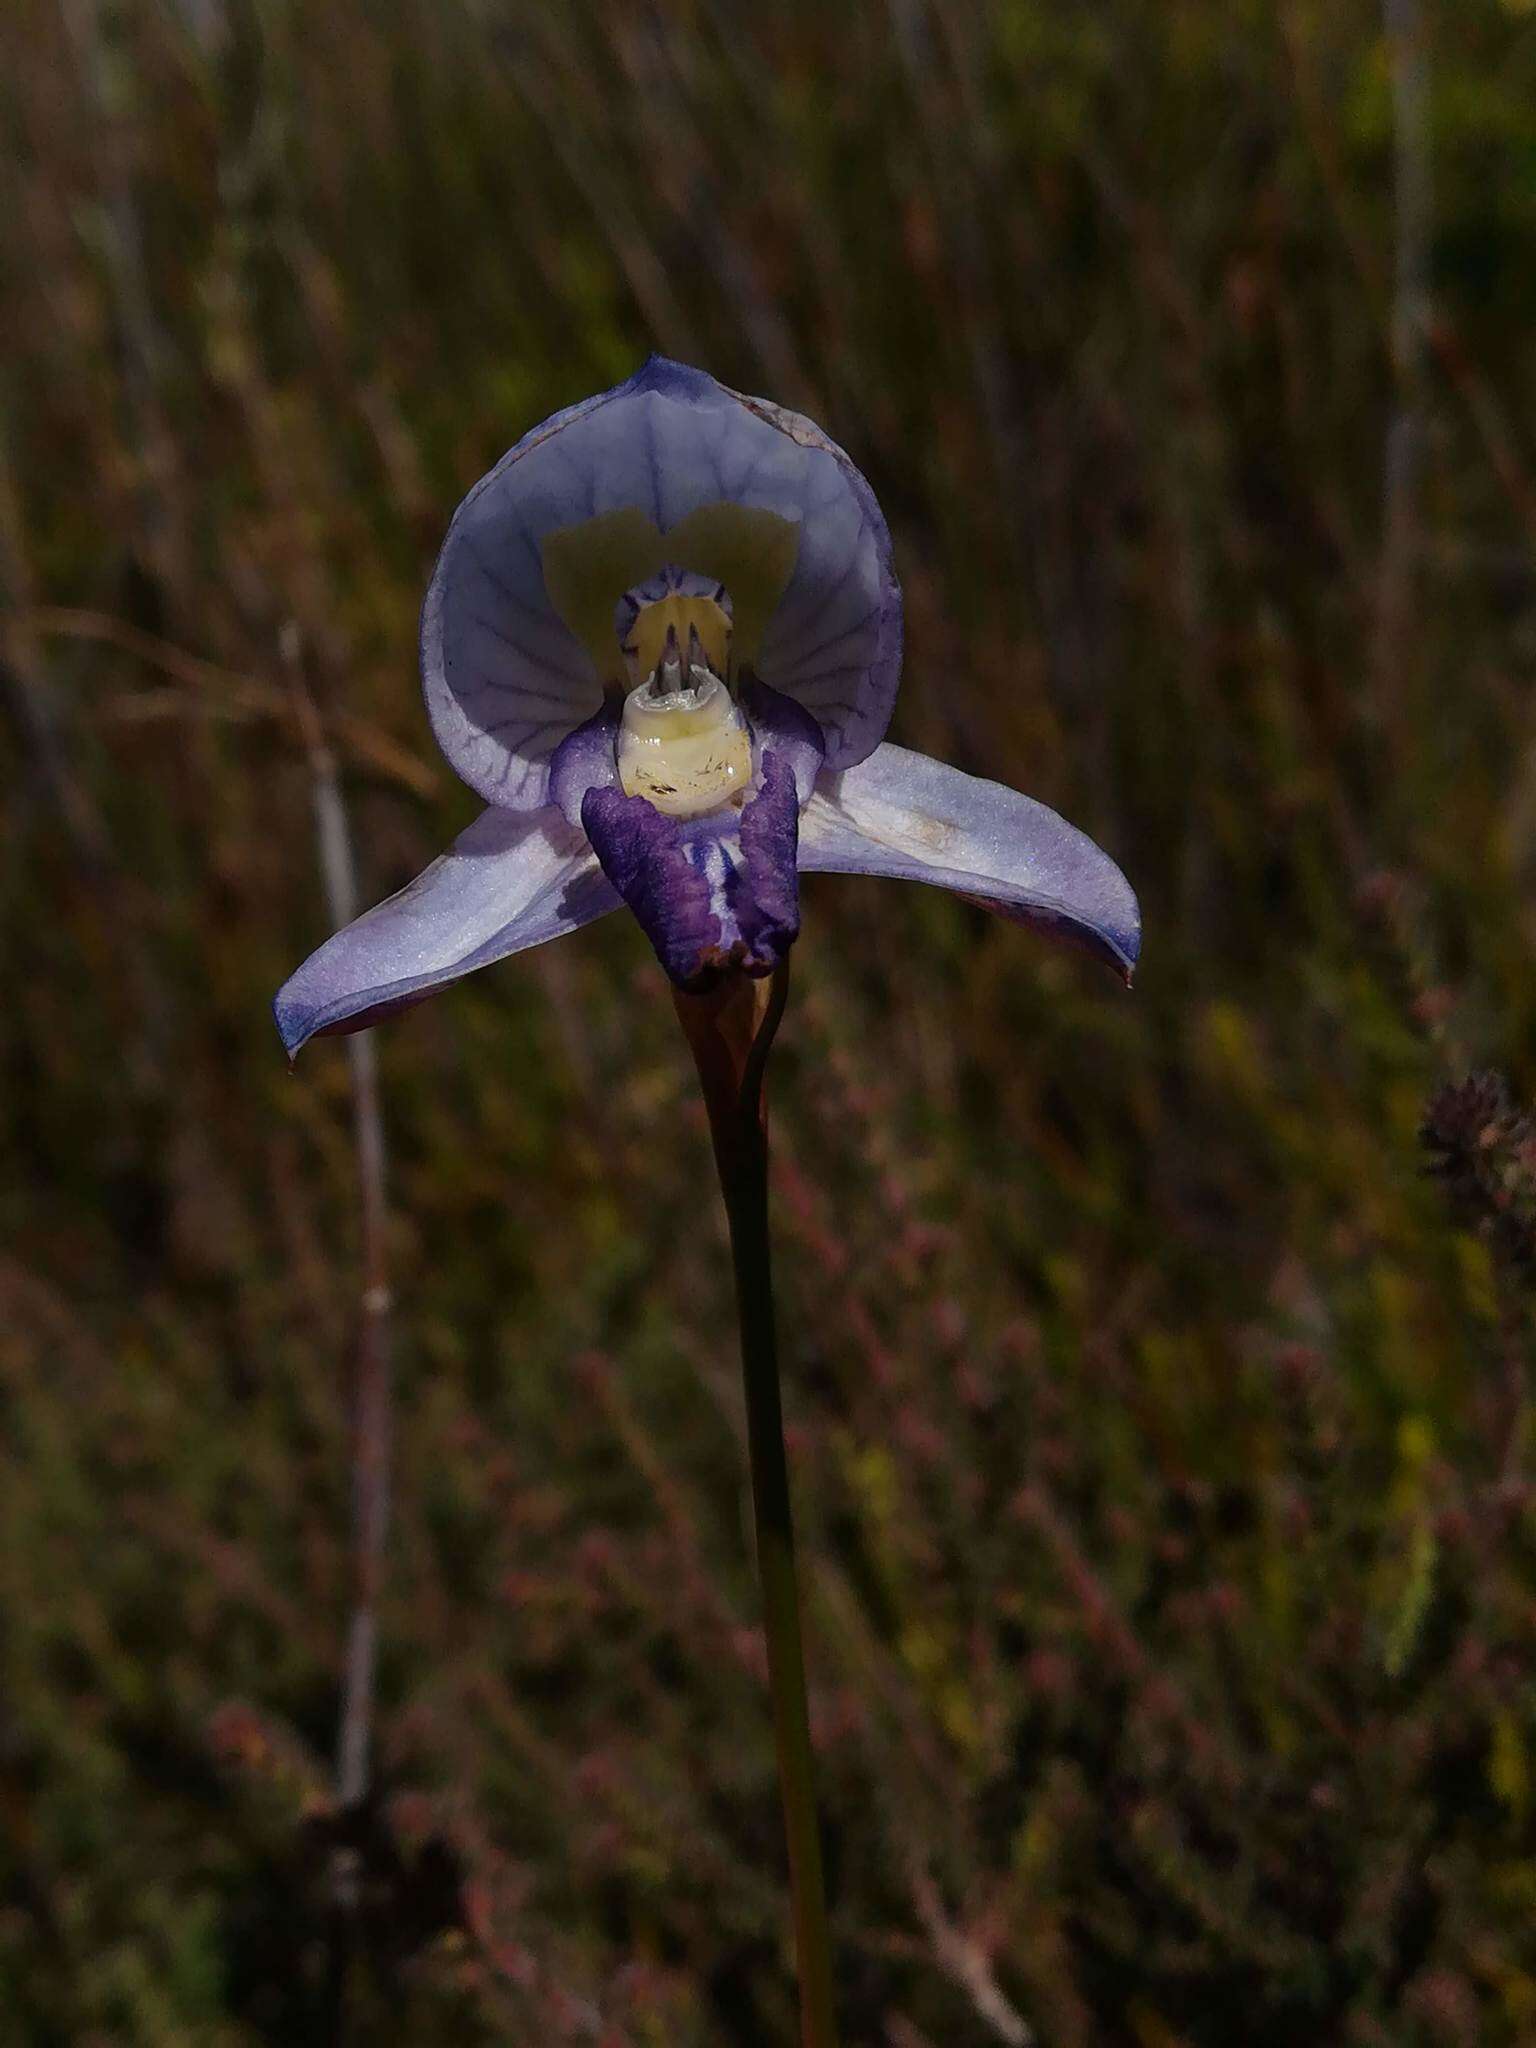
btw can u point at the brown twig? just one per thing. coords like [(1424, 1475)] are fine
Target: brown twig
[(247, 693)]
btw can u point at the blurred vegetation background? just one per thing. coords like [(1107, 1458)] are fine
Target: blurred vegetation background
[(1161, 1428)]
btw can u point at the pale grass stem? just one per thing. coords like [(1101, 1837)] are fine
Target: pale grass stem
[(373, 1394)]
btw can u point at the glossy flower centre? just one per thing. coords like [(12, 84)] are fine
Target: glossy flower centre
[(683, 744)]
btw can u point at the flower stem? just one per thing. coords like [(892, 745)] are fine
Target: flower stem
[(731, 1031)]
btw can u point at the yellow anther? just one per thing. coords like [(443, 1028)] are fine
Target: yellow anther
[(678, 619)]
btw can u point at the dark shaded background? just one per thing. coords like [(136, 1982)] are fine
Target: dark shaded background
[(1160, 1427)]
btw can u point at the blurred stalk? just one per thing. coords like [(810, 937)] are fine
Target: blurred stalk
[(731, 1032), (27, 686), (371, 1424), (25, 683), (103, 36), (1404, 460), (958, 145), (552, 71)]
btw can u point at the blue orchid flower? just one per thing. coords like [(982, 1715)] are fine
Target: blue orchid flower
[(663, 641)]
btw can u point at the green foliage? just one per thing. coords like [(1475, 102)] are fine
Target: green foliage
[(1161, 1433)]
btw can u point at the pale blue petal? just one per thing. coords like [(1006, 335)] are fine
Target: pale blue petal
[(511, 881), (835, 642), (507, 680), (906, 815)]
